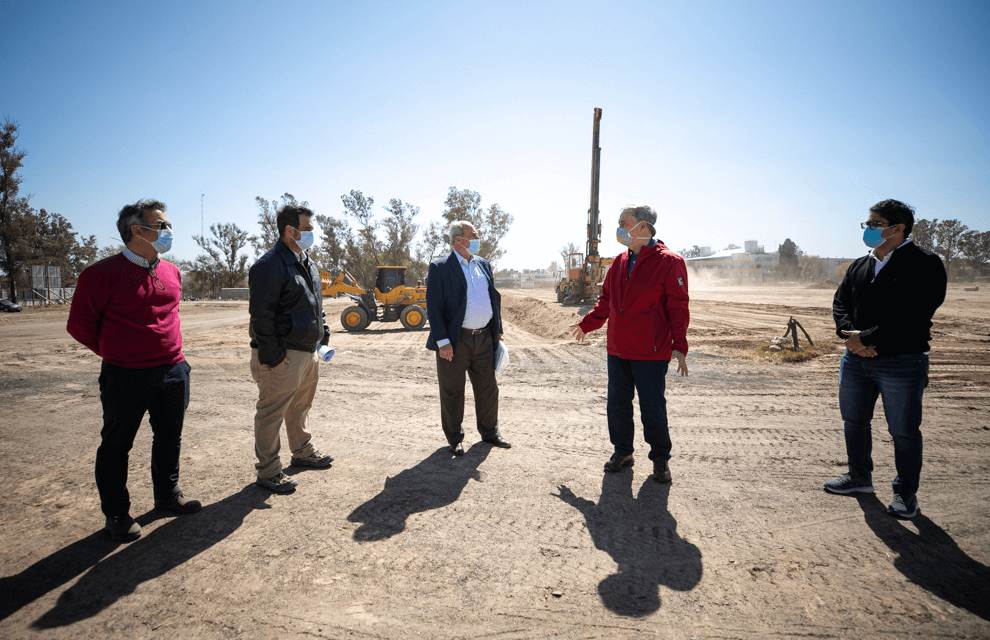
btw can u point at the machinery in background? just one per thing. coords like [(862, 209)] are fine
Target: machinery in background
[(391, 299), (584, 272)]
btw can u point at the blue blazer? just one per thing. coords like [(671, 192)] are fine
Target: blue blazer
[(446, 301)]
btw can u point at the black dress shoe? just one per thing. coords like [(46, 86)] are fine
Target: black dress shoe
[(617, 461), (497, 441), (457, 449)]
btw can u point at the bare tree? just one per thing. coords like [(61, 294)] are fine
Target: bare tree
[(267, 214), (222, 260), (491, 225)]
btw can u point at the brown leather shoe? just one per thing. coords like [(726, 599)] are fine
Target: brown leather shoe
[(661, 471), (617, 461), (123, 528), (179, 504), (457, 449), (497, 441)]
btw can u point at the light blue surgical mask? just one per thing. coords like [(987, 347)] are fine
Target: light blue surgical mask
[(474, 246), (305, 240), (873, 238), (164, 241)]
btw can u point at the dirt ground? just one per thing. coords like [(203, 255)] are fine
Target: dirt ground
[(399, 540)]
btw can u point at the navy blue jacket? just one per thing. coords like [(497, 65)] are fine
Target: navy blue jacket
[(893, 312), (446, 301)]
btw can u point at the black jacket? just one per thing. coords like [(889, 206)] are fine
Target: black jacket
[(894, 311), (446, 301), (286, 305)]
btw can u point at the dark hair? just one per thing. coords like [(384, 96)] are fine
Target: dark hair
[(288, 216), (134, 214), (895, 212)]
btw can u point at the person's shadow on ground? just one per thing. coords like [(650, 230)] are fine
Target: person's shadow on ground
[(433, 483), (641, 536), (114, 577), (931, 558)]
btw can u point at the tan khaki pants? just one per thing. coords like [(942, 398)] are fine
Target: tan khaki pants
[(285, 392)]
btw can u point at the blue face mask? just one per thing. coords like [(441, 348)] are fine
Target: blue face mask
[(305, 240), (164, 241), (474, 246), (873, 238)]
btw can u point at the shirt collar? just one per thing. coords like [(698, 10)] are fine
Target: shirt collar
[(464, 261), (873, 252), (138, 260)]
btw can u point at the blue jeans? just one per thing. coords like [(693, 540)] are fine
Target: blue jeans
[(901, 382), (648, 379)]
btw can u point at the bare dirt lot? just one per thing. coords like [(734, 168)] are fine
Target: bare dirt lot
[(399, 540)]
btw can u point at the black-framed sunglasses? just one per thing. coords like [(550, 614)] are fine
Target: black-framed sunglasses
[(876, 224), (162, 225)]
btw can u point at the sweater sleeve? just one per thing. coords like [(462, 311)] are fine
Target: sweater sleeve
[(913, 315), (86, 312), (842, 304)]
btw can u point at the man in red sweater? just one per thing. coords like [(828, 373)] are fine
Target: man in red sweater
[(126, 310), (645, 301)]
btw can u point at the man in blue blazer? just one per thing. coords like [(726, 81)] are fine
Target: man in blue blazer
[(464, 310)]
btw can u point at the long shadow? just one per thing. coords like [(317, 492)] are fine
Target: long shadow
[(641, 536), (433, 483), (931, 558), (145, 559)]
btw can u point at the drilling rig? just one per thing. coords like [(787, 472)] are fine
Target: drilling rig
[(584, 272)]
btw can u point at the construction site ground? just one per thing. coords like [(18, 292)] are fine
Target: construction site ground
[(398, 539)]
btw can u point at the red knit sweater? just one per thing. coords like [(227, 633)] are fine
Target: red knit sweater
[(121, 313)]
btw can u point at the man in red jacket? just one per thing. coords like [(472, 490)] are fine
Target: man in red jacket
[(645, 301), (126, 310)]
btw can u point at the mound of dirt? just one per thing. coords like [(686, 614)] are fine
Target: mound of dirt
[(545, 319)]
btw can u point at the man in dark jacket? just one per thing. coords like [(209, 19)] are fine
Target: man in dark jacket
[(287, 327), (645, 301), (883, 309), (465, 328)]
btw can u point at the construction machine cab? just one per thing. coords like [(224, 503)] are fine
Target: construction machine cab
[(389, 278)]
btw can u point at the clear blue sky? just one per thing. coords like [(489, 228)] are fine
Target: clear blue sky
[(735, 120)]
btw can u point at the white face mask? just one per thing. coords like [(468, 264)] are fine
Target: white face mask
[(164, 241), (305, 240)]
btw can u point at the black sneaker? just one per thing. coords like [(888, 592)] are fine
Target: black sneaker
[(280, 483), (617, 461), (661, 471), (123, 528), (846, 484), (180, 504), (903, 506)]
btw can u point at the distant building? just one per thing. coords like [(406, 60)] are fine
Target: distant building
[(736, 266)]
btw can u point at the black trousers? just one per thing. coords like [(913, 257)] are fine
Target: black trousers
[(127, 394), (475, 356)]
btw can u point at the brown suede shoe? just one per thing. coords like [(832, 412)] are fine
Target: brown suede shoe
[(661, 471), (179, 504), (123, 528), (617, 461)]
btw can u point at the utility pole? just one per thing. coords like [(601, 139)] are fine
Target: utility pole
[(202, 230)]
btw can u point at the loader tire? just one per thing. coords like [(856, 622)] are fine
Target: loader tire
[(560, 295), (413, 317), (354, 318)]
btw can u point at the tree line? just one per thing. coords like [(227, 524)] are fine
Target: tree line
[(362, 239)]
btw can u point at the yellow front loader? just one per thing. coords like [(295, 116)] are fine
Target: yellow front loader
[(397, 301)]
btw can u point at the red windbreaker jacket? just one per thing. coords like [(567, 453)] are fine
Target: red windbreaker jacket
[(647, 310)]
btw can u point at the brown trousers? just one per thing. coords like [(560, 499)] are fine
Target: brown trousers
[(476, 356), (285, 392)]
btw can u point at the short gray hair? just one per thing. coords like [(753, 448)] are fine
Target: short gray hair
[(134, 214), (456, 229), (641, 212)]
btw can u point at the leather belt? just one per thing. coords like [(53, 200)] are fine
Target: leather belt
[(474, 332)]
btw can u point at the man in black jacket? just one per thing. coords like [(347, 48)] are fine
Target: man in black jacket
[(287, 327), (883, 309)]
